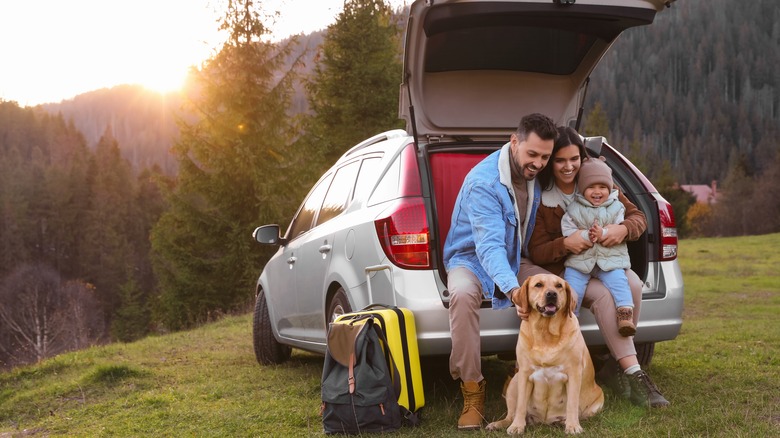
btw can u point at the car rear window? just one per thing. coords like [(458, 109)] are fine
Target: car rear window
[(401, 179), (532, 37), (368, 172), (512, 48)]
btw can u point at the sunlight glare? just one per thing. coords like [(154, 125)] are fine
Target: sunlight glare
[(56, 50), (102, 45)]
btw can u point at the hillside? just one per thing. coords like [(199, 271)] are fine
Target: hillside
[(722, 373), (142, 121), (698, 88)]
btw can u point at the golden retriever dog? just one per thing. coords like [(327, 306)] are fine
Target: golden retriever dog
[(555, 381)]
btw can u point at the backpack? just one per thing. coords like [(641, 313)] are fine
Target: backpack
[(358, 393)]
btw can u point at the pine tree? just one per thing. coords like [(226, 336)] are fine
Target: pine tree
[(150, 203), (734, 211), (635, 155), (597, 122), (107, 249), (354, 91), (680, 200), (132, 318), (14, 215), (235, 168), (767, 200), (68, 184)]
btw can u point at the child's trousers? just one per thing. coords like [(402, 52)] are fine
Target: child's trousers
[(615, 281)]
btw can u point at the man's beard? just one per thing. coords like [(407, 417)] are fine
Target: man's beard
[(532, 169), (519, 173)]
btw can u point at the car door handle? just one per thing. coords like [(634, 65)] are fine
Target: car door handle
[(325, 248), (292, 260)]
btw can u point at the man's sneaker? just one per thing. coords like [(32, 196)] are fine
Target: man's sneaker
[(618, 384), (644, 392), (610, 376)]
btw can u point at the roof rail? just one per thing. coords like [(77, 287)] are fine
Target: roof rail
[(387, 135)]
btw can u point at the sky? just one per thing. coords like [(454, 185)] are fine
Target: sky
[(53, 50)]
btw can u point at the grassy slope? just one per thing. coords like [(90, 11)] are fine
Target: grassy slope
[(722, 374)]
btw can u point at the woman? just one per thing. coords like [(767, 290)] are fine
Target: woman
[(548, 249)]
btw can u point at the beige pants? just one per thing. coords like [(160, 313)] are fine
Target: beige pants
[(466, 298)]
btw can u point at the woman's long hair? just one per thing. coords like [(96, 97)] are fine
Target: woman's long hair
[(566, 136)]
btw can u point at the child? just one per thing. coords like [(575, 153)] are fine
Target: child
[(596, 205)]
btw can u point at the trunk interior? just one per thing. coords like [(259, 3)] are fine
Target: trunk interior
[(450, 163)]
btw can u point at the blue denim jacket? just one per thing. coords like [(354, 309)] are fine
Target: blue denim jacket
[(483, 234)]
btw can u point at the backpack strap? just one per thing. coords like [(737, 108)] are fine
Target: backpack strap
[(351, 378), (395, 376), (410, 418)]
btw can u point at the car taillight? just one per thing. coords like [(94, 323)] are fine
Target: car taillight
[(403, 234), (668, 250)]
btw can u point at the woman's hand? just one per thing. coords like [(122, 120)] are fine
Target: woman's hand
[(615, 235), (575, 244)]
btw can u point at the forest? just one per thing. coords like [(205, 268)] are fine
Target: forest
[(699, 88), (124, 212)]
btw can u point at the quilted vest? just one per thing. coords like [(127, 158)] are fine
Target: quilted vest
[(608, 259)]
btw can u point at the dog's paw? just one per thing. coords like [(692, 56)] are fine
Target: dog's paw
[(516, 429), (573, 429), (500, 424)]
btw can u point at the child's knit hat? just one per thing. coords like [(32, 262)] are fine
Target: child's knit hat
[(593, 171)]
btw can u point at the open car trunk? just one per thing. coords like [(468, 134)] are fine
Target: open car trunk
[(473, 68)]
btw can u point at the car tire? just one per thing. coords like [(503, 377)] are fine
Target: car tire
[(268, 350), (644, 353), (339, 305)]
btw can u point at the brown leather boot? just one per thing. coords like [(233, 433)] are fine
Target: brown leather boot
[(625, 319), (473, 405)]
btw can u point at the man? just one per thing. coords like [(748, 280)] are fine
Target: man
[(492, 220)]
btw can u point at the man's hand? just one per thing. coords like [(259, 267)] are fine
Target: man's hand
[(615, 235), (575, 244), (522, 313)]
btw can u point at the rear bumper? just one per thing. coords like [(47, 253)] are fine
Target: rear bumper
[(660, 317)]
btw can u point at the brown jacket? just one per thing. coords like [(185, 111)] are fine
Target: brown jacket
[(546, 247)]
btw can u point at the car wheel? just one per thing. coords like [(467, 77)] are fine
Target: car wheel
[(339, 305), (644, 353), (268, 350)]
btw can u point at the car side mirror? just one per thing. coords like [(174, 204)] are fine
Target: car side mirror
[(268, 235)]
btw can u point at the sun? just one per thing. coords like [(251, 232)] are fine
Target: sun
[(164, 82), (160, 57), (162, 65)]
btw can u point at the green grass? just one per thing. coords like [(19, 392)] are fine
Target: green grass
[(722, 373)]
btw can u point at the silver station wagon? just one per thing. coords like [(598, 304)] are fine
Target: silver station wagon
[(371, 230)]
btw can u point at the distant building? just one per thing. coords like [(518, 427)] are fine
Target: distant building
[(706, 194)]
